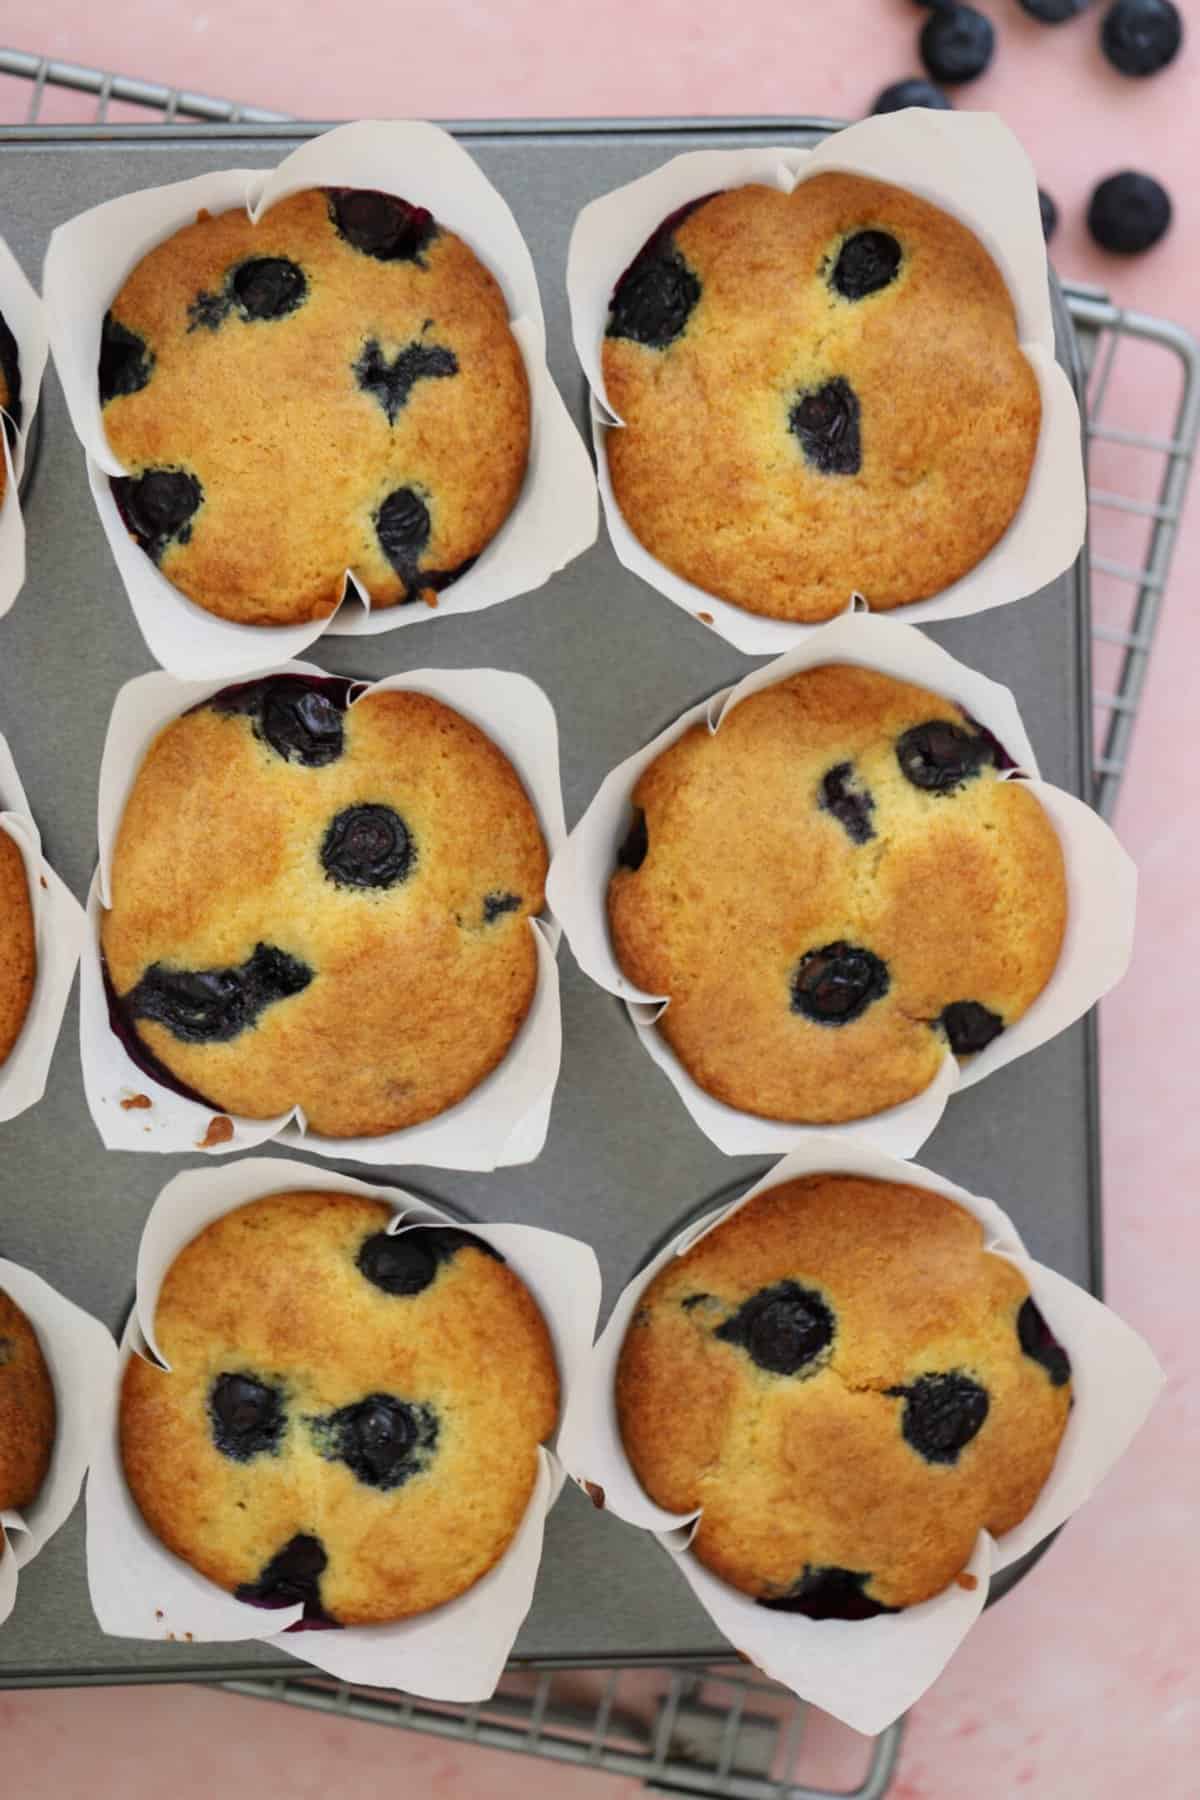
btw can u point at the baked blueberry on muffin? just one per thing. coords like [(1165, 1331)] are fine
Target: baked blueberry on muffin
[(324, 905), (822, 393), (849, 1388), (348, 1420), (335, 387), (832, 891), (18, 945), (27, 1411)]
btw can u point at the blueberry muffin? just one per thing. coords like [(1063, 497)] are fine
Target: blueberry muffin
[(822, 392), (348, 1420), (832, 890), (18, 945), (324, 905), (849, 1388), (334, 388), (10, 394), (27, 1411)]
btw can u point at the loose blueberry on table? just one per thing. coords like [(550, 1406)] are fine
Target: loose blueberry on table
[(1129, 213), (1140, 37), (914, 91), (956, 43)]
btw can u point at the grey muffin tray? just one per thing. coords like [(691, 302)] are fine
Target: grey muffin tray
[(623, 1162)]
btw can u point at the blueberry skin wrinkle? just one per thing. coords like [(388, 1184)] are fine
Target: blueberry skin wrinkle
[(836, 984), (301, 719), (783, 1329), (826, 423)]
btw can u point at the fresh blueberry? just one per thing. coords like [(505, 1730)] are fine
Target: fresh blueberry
[(969, 1026), (1140, 37), (392, 382), (1128, 213), (956, 43), (298, 719), (942, 1413), (382, 225), (246, 1415), (636, 842), (157, 507), (402, 525), (1049, 212), (496, 905), (291, 1578), (368, 847), (836, 984), (268, 287), (654, 298), (10, 369), (1055, 12), (383, 1441), (1038, 1341), (830, 1593), (406, 1264), (211, 1006), (850, 805), (866, 262), (783, 1329), (939, 757), (826, 422), (915, 91)]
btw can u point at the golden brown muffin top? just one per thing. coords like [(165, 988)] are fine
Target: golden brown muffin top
[(18, 945), (849, 1388), (822, 393), (832, 889), (335, 387), (27, 1410), (350, 1420), (323, 907)]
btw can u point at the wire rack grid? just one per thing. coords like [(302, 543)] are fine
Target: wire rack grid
[(726, 1733)]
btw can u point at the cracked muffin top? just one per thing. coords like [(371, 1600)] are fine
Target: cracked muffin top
[(848, 1388), (822, 392), (324, 904), (333, 388), (831, 891), (349, 1419)]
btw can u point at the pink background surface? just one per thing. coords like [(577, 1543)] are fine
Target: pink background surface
[(1083, 1685)]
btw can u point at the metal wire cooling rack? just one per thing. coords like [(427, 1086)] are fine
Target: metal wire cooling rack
[(723, 1733)]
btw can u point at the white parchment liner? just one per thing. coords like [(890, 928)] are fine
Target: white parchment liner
[(25, 318), (868, 1672), (1101, 887), (82, 1361), (501, 1122), (556, 516), (458, 1651), (973, 167), (59, 930)]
